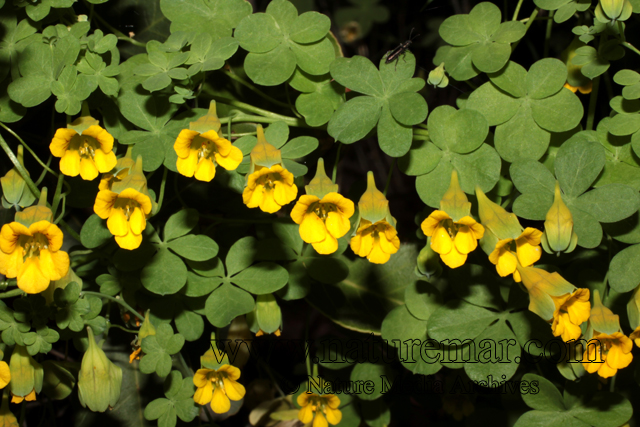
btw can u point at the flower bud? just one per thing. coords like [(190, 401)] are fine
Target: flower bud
[(438, 77), (428, 264), (26, 375), (146, 329), (266, 317), (14, 188), (613, 10), (558, 233), (99, 380)]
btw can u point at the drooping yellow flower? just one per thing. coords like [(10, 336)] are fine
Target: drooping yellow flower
[(586, 89), (84, 150), (571, 311), (452, 240), (323, 221), (218, 387), (32, 254), (376, 242), (635, 336), (606, 353), (321, 409), (199, 153), (26, 375), (524, 250), (5, 374), (125, 214), (269, 188)]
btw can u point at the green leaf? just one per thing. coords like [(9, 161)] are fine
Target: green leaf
[(578, 163), (609, 203), (262, 278), (165, 274), (158, 349), (358, 74), (623, 275), (496, 354), (459, 131), (408, 108), (259, 33), (216, 18), (459, 320), (422, 299), (309, 27), (545, 78), (240, 255), (314, 58), (547, 399), (190, 325), (558, 113), (432, 186), (195, 248), (354, 119), (271, 68), (422, 158), (372, 373), (511, 79), (299, 147), (496, 106), (277, 134), (394, 138), (530, 176), (180, 224), (94, 232), (456, 31), (226, 303)]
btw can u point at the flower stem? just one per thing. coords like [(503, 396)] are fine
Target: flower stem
[(592, 103), (162, 185), (335, 165), (117, 300), (24, 144), (517, 11), (254, 89), (12, 293), (56, 195), (631, 47), (532, 18), (114, 325), (386, 187), (547, 35)]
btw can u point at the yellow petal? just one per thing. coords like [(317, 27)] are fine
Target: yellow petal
[(234, 390), (220, 403), (465, 241), (129, 241), (30, 277), (332, 400), (70, 163), (476, 228), (300, 208), (187, 165), (306, 413), (232, 160), (104, 203), (105, 161), (430, 224), (233, 372), (328, 246), (253, 197), (88, 169), (5, 374), (344, 205), (200, 378), (60, 142), (9, 235), (338, 224), (377, 255), (117, 222), (527, 253), (319, 420), (54, 236), (506, 264), (204, 394), (103, 137), (268, 203), (389, 246), (10, 264), (182, 146), (284, 193), (334, 416), (441, 241), (454, 258), (137, 221), (205, 170), (303, 399), (312, 229)]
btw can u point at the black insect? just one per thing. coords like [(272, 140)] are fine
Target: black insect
[(395, 54)]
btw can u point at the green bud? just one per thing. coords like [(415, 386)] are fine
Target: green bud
[(26, 375), (613, 10), (438, 77), (266, 317), (14, 188), (428, 264), (99, 380), (59, 378), (558, 233)]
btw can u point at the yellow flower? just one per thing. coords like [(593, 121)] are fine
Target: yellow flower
[(586, 89), (269, 188), (376, 242), (32, 254), (452, 240), (525, 250), (5, 374), (217, 386), (323, 221), (26, 375), (199, 153), (320, 409), (635, 336), (606, 354), (126, 213), (571, 311), (87, 154)]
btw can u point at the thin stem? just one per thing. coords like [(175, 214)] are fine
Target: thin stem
[(115, 325), (44, 172), (117, 300), (56, 195), (24, 144), (335, 164), (386, 187), (612, 386), (12, 293), (64, 207), (592, 103), (517, 11), (241, 117), (162, 185), (306, 342), (532, 18), (631, 47), (257, 91), (547, 35)]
